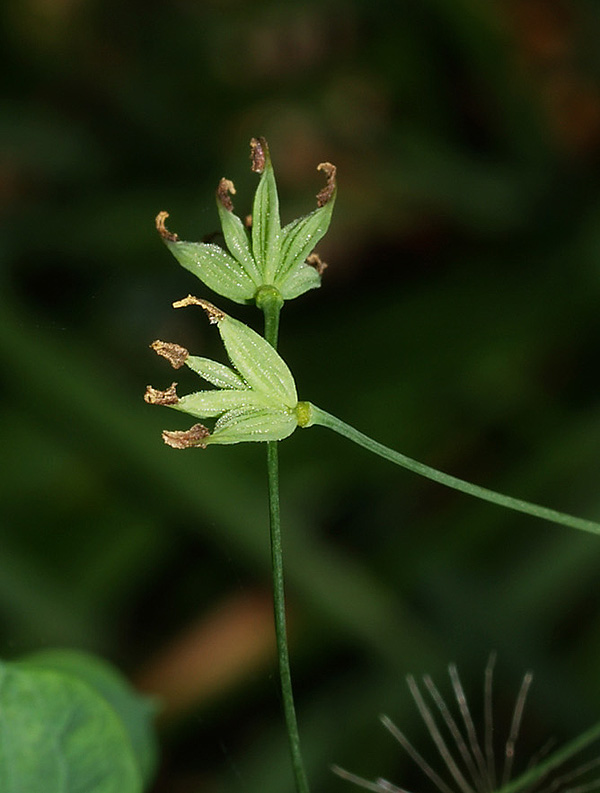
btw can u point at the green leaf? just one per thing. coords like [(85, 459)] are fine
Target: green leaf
[(59, 735), (266, 227), (299, 281), (215, 373), (236, 235), (253, 424), (215, 268), (136, 712)]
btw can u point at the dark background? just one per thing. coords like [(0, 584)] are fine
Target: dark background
[(458, 322)]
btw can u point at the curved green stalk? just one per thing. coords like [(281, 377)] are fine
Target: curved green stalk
[(271, 309), (324, 419), (556, 759)]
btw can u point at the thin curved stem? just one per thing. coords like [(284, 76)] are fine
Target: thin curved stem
[(271, 311), (324, 419), (556, 759)]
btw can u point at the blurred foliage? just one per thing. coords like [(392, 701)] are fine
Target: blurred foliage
[(464, 259), (71, 722)]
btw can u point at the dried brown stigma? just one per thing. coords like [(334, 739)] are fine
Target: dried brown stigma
[(224, 192), (155, 397), (315, 261), (214, 314), (258, 154), (325, 195), (162, 229), (187, 439), (174, 353)]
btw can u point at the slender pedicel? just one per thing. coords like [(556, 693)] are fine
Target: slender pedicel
[(316, 416)]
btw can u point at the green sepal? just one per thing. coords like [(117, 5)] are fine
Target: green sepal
[(299, 281), (299, 238), (208, 404), (235, 234), (253, 424), (215, 373), (215, 268), (266, 226), (257, 362)]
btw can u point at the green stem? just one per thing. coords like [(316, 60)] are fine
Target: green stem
[(320, 417), (280, 621), (271, 309), (557, 758)]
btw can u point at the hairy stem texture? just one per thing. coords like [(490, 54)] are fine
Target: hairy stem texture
[(324, 419)]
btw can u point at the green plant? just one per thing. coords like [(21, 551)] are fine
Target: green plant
[(256, 400), (72, 724)]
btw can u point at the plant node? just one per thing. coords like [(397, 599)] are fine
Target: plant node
[(266, 295), (304, 414)]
